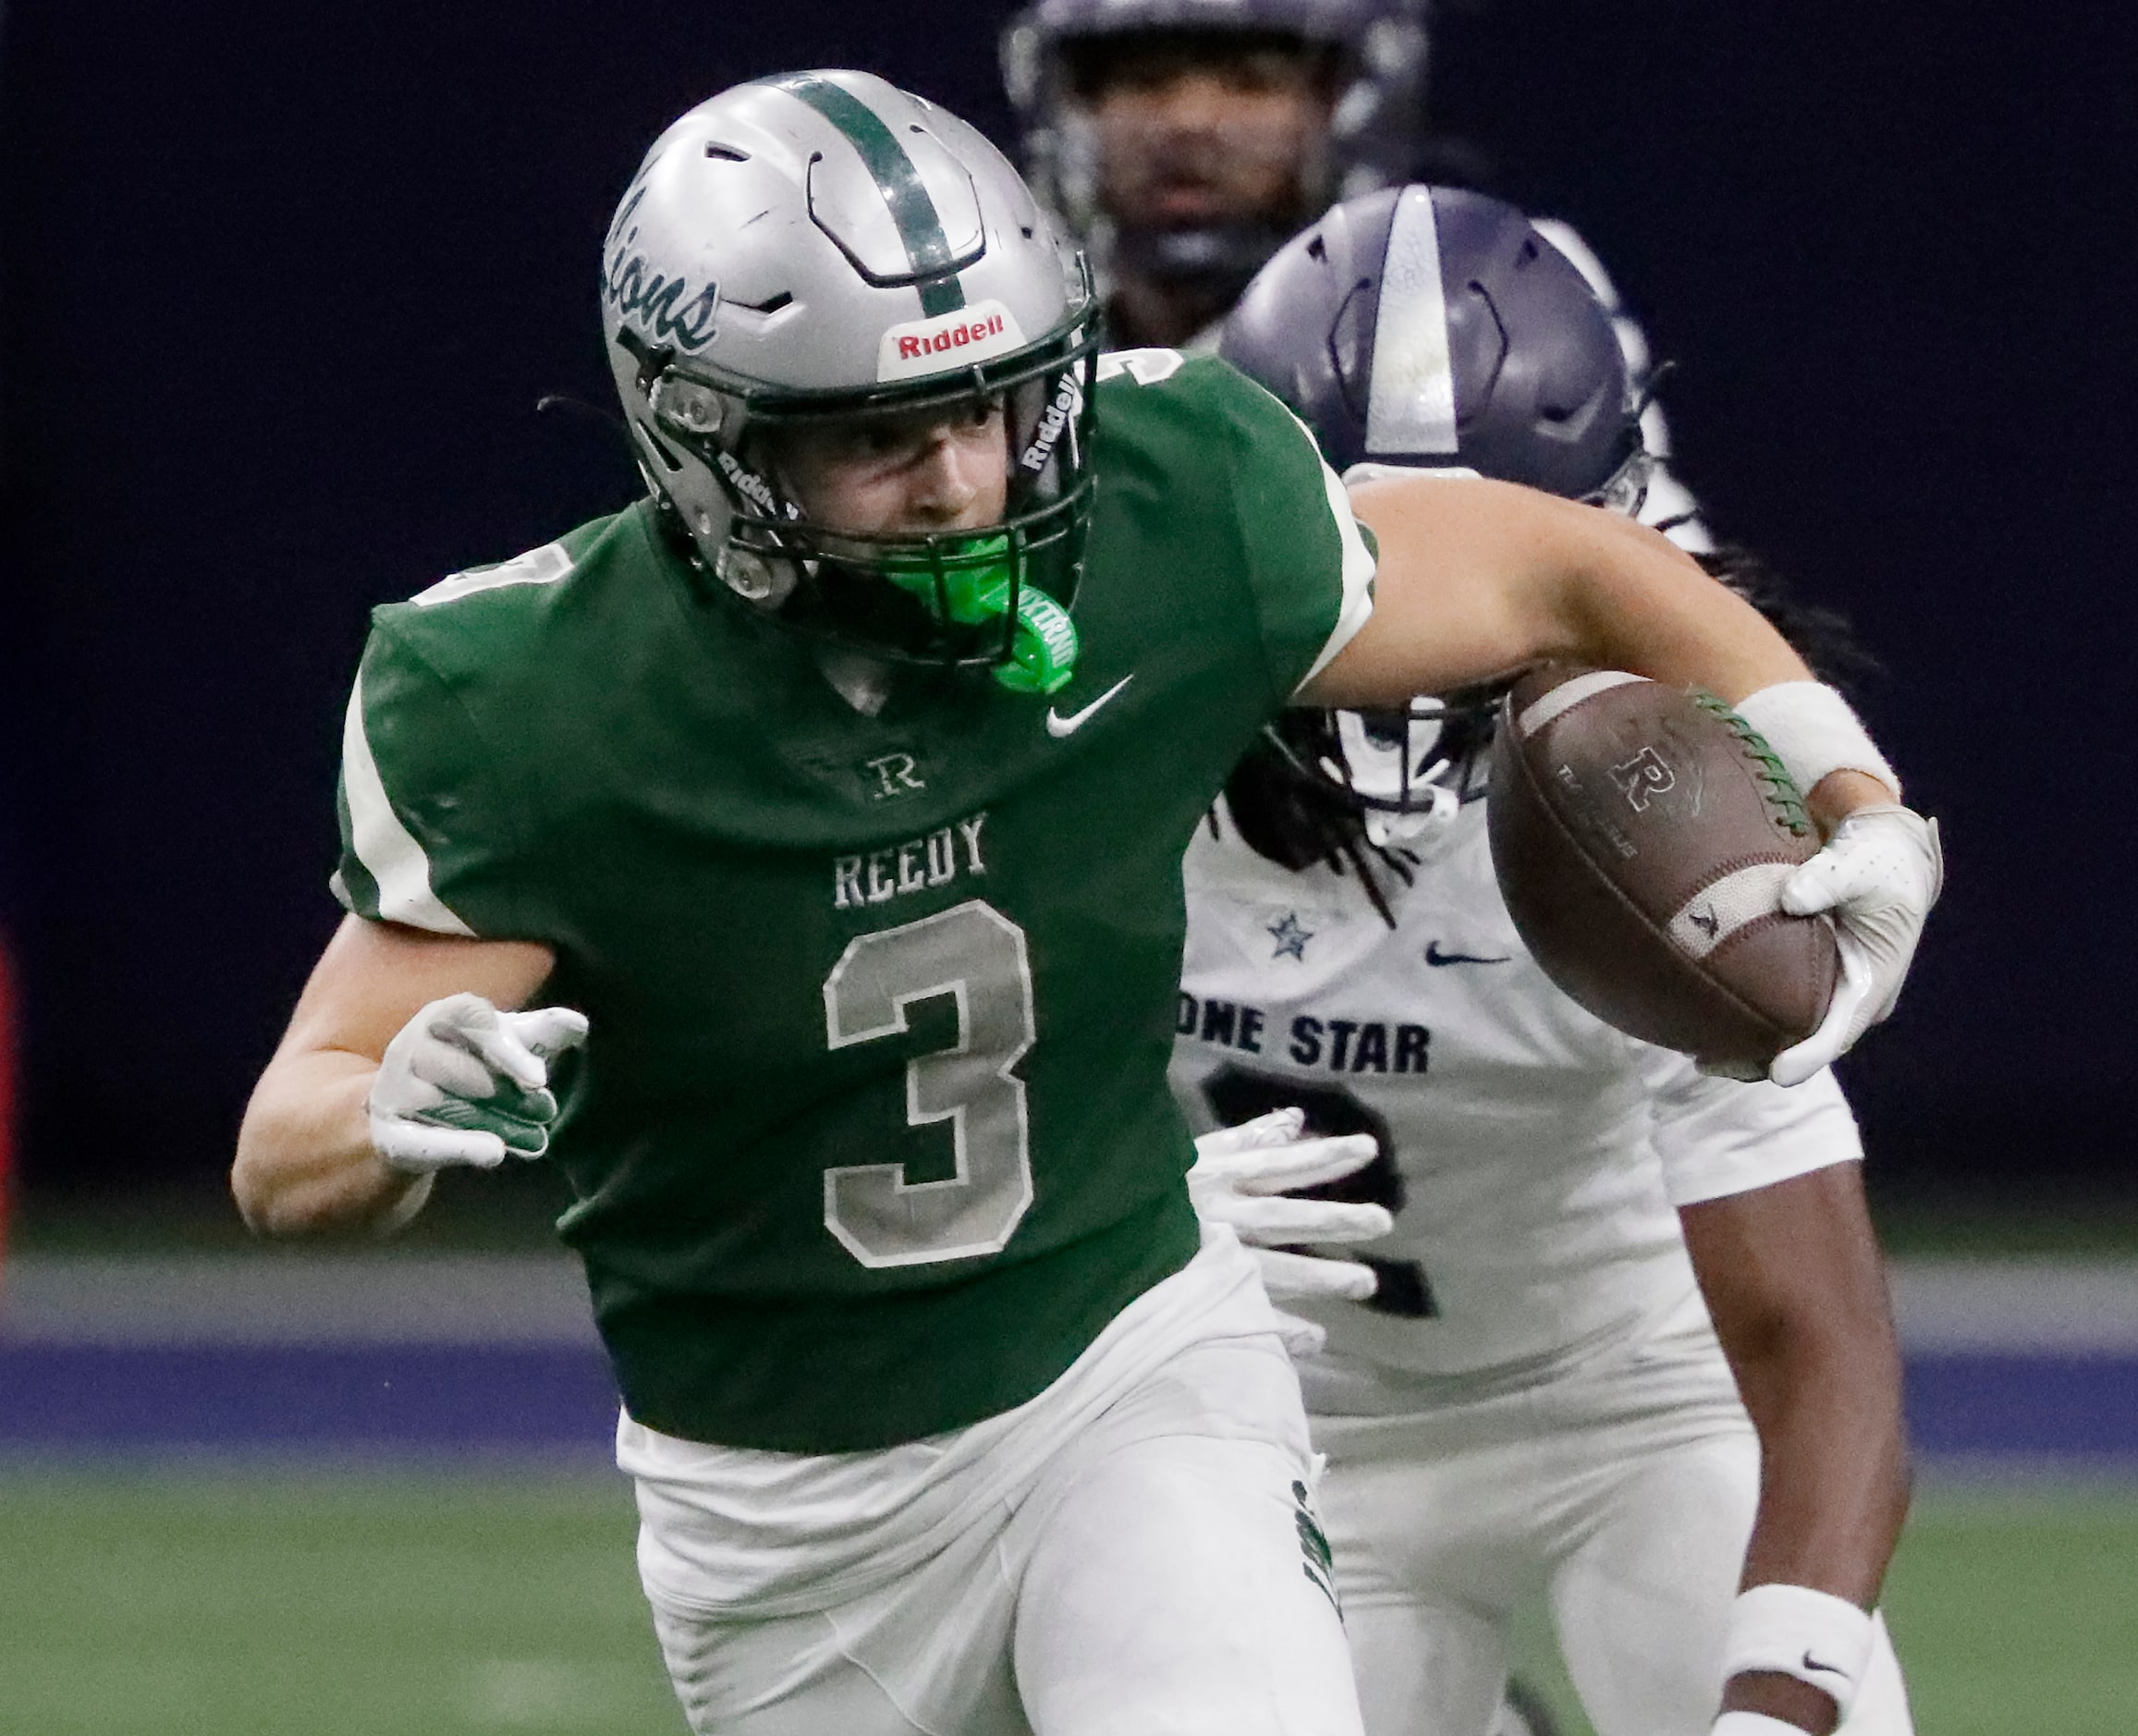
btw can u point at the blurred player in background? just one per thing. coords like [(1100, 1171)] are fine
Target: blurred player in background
[(1186, 140), (852, 862), (1536, 1393)]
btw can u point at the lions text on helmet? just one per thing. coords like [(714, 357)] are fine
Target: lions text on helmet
[(664, 307), (869, 420)]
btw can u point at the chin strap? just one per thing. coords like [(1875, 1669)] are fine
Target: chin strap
[(976, 591)]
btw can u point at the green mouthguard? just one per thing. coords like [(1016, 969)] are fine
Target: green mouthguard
[(976, 590)]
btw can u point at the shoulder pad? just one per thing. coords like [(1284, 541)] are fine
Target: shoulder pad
[(544, 566), (1146, 367)]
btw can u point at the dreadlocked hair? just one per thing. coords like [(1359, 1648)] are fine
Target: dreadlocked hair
[(1296, 822), (1824, 638)]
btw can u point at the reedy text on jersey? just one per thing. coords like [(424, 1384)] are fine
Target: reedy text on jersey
[(898, 870)]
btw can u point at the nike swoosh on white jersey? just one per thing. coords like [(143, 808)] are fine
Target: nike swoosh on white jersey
[(1057, 726)]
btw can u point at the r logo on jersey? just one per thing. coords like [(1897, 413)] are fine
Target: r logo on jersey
[(1645, 775), (890, 776)]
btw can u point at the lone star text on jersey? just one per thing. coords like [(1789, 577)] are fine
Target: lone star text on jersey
[(1338, 1045)]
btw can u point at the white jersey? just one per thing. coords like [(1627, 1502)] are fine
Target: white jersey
[(1539, 1152)]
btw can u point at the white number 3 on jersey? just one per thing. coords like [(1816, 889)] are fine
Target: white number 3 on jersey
[(977, 955)]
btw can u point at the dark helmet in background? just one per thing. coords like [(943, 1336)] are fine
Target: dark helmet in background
[(1376, 52), (1436, 329)]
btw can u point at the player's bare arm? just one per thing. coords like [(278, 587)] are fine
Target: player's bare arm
[(307, 1160), (1477, 580), (1794, 1281)]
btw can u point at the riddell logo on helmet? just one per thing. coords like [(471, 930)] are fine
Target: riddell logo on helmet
[(947, 341)]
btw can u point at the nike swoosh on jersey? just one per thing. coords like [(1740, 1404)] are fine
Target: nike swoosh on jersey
[(1824, 1669), (1434, 956), (1057, 726)]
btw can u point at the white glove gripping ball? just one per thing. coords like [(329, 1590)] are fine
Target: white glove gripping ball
[(1239, 1178), (465, 1083), (1878, 876)]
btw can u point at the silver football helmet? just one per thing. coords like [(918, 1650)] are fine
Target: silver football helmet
[(821, 245)]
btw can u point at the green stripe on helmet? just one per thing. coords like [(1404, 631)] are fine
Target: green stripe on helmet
[(920, 227)]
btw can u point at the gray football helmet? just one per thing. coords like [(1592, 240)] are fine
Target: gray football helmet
[(1435, 328), (823, 245)]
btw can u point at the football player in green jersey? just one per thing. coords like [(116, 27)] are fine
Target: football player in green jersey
[(832, 800)]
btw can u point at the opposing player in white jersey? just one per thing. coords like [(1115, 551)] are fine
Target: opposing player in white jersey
[(1536, 1395), (1187, 140)]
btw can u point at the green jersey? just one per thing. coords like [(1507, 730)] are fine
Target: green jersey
[(871, 1134)]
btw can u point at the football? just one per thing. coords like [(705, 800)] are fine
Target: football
[(1641, 837)]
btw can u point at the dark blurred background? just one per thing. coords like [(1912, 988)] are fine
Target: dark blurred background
[(279, 288)]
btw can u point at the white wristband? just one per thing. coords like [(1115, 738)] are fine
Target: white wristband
[(1822, 1640), (1753, 1724), (1812, 733)]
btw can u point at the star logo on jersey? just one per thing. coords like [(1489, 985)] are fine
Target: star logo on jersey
[(1290, 936)]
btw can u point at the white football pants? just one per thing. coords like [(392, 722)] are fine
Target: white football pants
[(1162, 1575), (1625, 1490)]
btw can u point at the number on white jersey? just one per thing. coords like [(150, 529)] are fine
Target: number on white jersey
[(1237, 1094)]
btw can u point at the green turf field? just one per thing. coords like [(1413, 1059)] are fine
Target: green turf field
[(2015, 1611), (389, 1606), (407, 1606)]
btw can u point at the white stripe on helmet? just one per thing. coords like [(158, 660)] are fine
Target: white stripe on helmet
[(1410, 406)]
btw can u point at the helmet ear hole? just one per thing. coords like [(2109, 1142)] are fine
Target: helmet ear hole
[(753, 577), (690, 406)]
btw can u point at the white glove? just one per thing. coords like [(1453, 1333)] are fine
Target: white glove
[(1879, 874), (464, 1083), (1239, 1178)]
